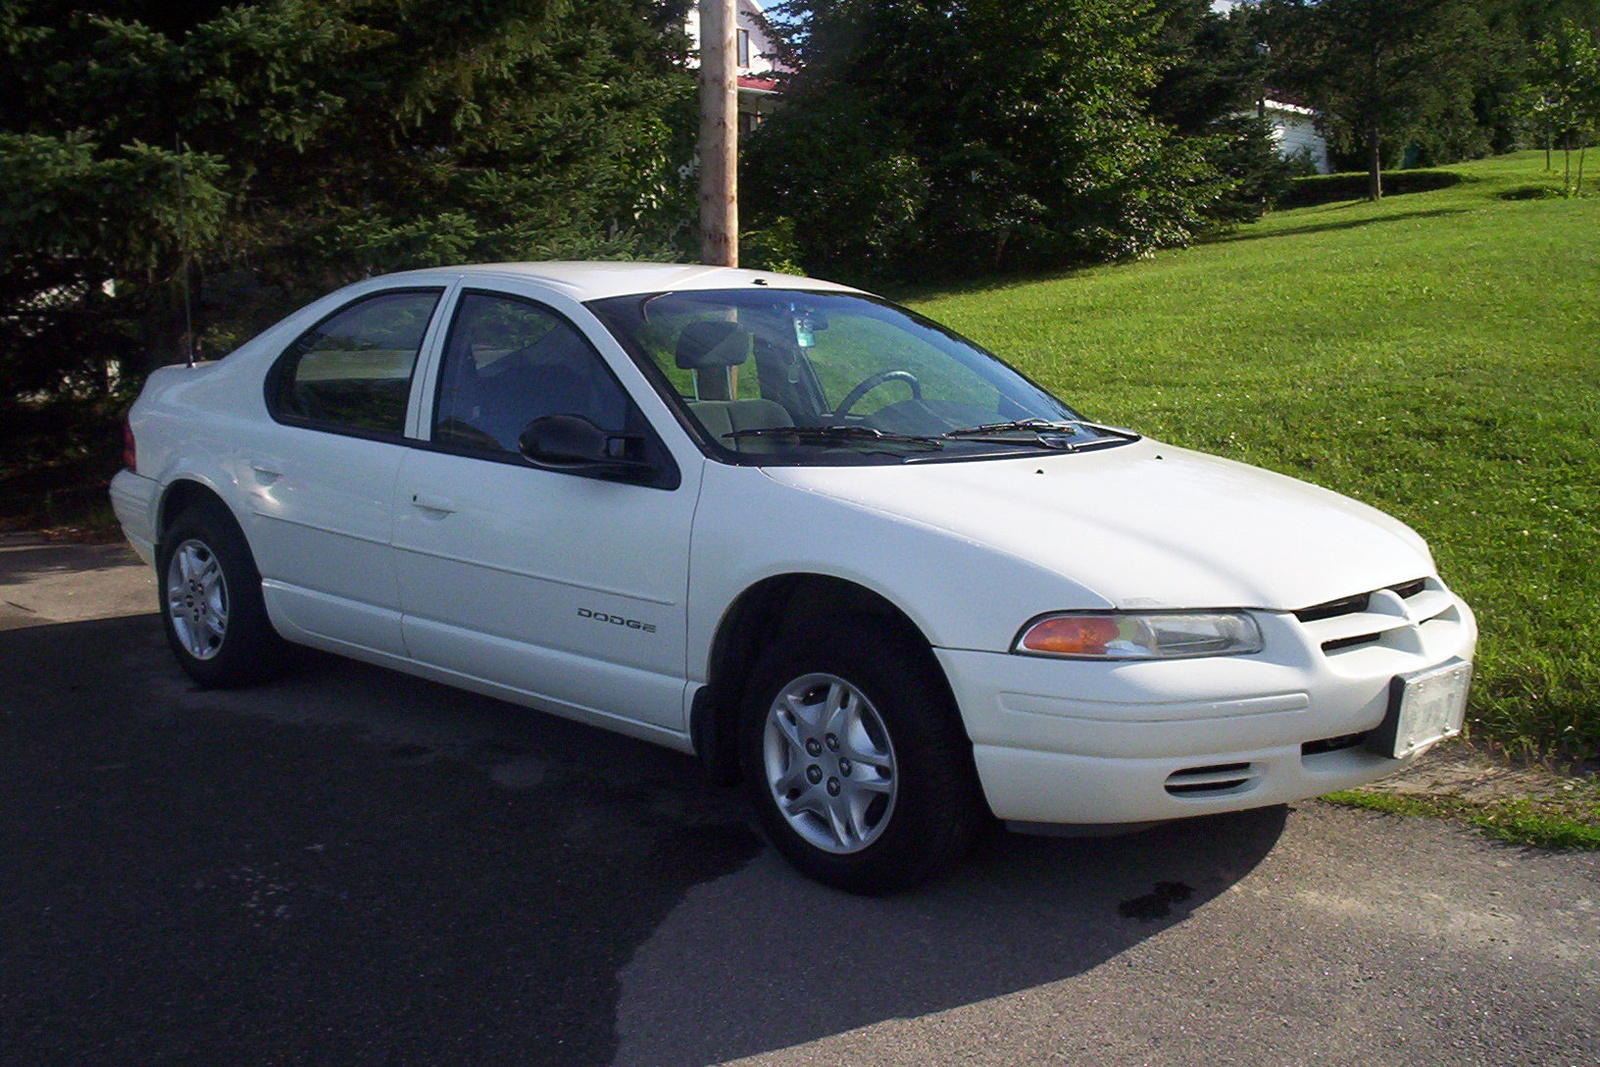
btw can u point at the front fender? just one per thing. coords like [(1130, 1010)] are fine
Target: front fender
[(958, 593)]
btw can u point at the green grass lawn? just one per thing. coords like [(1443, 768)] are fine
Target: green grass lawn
[(1433, 355)]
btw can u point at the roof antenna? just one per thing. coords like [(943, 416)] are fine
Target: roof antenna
[(183, 249)]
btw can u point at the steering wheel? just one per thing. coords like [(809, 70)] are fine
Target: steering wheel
[(873, 382)]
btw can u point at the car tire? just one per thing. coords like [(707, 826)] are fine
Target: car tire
[(855, 758), (211, 603)]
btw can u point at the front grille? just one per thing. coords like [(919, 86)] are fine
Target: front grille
[(1332, 609), (1392, 616), (1411, 588), (1217, 778)]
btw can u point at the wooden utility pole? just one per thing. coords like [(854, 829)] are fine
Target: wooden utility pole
[(719, 134)]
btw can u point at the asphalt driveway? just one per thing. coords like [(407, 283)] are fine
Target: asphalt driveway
[(349, 866)]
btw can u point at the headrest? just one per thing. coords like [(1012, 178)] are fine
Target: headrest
[(712, 344)]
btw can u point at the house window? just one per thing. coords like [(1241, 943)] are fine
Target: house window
[(743, 37)]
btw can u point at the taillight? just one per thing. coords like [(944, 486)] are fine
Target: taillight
[(130, 454)]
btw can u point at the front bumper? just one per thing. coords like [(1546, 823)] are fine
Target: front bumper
[(1091, 742)]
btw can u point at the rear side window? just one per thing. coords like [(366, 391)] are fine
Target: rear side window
[(352, 371)]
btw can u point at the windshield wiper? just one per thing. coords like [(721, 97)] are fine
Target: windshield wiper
[(1010, 424), (825, 434), (1043, 433)]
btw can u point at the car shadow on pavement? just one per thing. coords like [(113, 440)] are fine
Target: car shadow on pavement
[(762, 960), (349, 865), (345, 866)]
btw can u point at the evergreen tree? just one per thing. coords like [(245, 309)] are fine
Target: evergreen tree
[(279, 147), (180, 171)]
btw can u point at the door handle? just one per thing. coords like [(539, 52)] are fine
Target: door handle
[(439, 505), (266, 473)]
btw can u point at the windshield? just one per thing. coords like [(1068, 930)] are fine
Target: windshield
[(787, 376)]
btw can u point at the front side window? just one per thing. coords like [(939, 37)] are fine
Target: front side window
[(508, 362), (352, 371), (836, 378)]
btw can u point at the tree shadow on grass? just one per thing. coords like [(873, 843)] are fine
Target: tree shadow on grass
[(917, 292), (1344, 224), (912, 293)]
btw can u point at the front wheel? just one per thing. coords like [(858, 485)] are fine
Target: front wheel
[(211, 604), (855, 758)]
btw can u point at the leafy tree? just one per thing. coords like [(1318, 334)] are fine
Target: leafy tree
[(961, 136), (314, 141), (1379, 71), (1212, 65), (1563, 92)]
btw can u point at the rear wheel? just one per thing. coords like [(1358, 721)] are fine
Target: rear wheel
[(855, 758), (211, 604)]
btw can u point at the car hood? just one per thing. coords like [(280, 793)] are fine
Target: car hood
[(1146, 525)]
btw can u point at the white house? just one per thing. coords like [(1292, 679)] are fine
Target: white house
[(1295, 129), (758, 60)]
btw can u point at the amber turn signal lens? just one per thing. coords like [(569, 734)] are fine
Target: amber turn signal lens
[(1072, 635)]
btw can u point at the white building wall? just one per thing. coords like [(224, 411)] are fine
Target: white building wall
[(1295, 130), (756, 48), (757, 66)]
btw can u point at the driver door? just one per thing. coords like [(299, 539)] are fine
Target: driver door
[(562, 585)]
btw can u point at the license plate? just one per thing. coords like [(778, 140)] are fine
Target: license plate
[(1424, 707)]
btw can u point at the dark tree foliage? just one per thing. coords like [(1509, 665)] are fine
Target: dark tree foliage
[(1529, 23), (176, 175), (965, 136), (279, 147), (1213, 65), (1533, 20), (1213, 76), (1448, 79)]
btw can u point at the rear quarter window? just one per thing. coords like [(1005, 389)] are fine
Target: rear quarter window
[(352, 371)]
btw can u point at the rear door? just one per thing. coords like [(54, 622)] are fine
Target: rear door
[(320, 481), (563, 585)]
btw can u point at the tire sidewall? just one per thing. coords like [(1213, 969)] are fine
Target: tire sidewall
[(934, 815), (251, 648)]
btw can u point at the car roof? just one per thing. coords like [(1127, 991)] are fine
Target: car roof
[(597, 280)]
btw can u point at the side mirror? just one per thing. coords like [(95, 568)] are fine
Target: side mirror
[(573, 443)]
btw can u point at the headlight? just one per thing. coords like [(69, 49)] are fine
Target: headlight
[(1140, 635)]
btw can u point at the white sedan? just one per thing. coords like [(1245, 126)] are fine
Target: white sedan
[(840, 552)]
